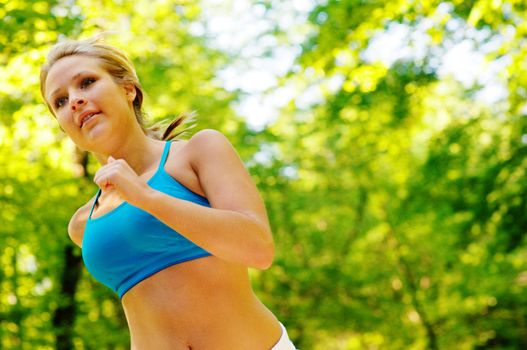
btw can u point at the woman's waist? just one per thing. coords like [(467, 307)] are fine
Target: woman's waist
[(189, 304), (218, 333), (191, 288)]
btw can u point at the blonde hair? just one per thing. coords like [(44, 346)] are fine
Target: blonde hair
[(119, 66)]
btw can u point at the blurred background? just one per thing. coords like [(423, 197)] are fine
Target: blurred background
[(388, 140)]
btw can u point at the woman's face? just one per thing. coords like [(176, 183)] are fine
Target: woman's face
[(89, 105)]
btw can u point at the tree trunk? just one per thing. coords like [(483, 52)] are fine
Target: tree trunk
[(64, 317)]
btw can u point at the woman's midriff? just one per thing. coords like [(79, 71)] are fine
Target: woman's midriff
[(205, 303)]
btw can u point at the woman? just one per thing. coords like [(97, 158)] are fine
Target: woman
[(174, 225)]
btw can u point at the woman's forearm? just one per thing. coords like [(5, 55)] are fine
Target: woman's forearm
[(227, 234)]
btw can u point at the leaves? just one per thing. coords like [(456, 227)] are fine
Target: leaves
[(396, 192)]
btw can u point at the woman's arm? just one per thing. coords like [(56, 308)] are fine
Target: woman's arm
[(236, 228), (78, 222)]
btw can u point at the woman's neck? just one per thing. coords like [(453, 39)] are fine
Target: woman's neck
[(141, 153)]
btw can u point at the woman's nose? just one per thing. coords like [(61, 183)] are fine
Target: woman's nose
[(77, 102)]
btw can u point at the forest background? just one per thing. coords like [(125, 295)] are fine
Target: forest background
[(390, 151)]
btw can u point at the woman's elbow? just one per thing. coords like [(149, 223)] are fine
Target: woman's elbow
[(265, 256)]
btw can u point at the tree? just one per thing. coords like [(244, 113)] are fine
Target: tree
[(397, 204)]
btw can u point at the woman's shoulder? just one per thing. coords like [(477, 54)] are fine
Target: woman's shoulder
[(206, 149), (207, 143), (186, 157), (199, 139), (205, 136)]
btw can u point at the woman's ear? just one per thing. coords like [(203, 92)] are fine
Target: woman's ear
[(130, 90)]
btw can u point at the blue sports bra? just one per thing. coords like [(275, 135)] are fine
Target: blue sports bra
[(126, 245)]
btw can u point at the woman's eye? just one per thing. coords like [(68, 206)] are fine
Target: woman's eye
[(86, 81), (59, 102)]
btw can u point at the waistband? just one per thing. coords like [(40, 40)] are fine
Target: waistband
[(284, 343)]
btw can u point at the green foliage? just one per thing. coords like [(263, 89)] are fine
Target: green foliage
[(397, 200), (404, 224)]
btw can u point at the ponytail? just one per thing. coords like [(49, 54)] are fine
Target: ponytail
[(174, 130)]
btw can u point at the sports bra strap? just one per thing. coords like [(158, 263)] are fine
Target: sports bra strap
[(165, 154), (161, 166), (95, 202)]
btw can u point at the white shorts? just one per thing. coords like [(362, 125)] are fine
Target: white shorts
[(284, 343)]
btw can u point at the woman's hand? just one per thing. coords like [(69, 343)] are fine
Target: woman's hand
[(117, 175)]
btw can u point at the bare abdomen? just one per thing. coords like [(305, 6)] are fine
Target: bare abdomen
[(205, 303)]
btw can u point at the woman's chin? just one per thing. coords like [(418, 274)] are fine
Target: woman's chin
[(97, 137)]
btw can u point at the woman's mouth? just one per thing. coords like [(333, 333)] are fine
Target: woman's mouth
[(88, 118)]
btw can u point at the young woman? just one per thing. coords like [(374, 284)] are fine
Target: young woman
[(174, 225)]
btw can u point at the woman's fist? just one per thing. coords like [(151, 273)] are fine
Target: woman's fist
[(118, 175)]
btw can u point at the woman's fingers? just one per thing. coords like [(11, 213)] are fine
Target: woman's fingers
[(118, 175)]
